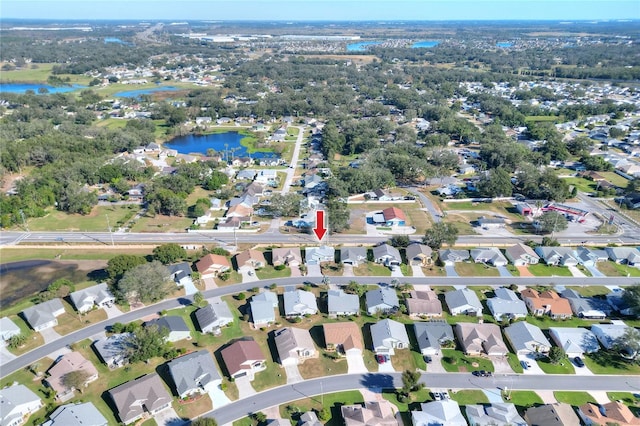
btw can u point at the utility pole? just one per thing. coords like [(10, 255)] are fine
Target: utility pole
[(24, 221), (109, 226)]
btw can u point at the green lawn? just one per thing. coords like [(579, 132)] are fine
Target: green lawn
[(564, 367), (542, 270), (17, 253), (95, 221), (627, 398), (524, 399), (574, 398), (608, 362), (333, 401), (590, 291), (468, 397), (455, 361), (544, 322), (161, 223), (612, 269), (470, 269), (372, 269), (514, 362), (269, 273)]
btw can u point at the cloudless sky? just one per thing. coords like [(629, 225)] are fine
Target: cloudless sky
[(313, 10)]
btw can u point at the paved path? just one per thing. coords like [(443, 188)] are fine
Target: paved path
[(451, 271), (576, 272), (49, 335), (524, 271), (347, 271), (493, 395), (534, 367), (435, 366), (245, 389), (501, 365), (294, 161), (397, 272), (600, 397), (5, 355), (504, 272), (314, 271), (547, 396), (355, 364), (112, 311), (293, 374), (594, 271), (169, 417), (190, 288), (417, 271), (249, 276), (218, 398)]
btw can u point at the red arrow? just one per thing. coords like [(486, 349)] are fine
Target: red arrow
[(319, 229)]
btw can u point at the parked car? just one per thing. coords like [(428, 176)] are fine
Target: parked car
[(445, 395), (436, 396), (482, 373), (427, 359), (525, 365), (381, 359), (578, 361)]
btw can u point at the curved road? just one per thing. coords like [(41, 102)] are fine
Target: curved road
[(84, 333)]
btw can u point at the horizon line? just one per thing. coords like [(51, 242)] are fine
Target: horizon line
[(558, 20)]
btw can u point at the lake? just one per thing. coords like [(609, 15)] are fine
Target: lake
[(362, 46), (190, 144), (139, 92), (504, 44), (23, 87), (425, 43)]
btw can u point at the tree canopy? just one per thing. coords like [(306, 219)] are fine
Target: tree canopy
[(145, 283), (440, 233)]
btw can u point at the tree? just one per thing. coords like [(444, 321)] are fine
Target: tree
[(337, 215), (260, 417), (117, 266), (551, 222), (631, 297), (16, 341), (629, 343), (146, 343), (410, 381), (75, 379), (324, 414), (199, 300), (145, 283), (497, 183), (215, 181), (169, 253), (204, 421), (355, 288), (285, 204), (556, 354), (401, 241), (439, 234)]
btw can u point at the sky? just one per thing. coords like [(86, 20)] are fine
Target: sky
[(321, 10)]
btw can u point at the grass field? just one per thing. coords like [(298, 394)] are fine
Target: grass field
[(161, 223), (612, 269), (455, 361), (39, 73), (574, 398), (333, 401), (468, 397), (18, 253), (590, 291), (607, 362), (470, 269), (95, 221), (564, 367), (372, 269), (542, 270), (524, 399)]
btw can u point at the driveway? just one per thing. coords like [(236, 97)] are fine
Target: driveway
[(190, 288), (396, 272), (49, 335), (169, 417), (249, 276), (244, 386), (504, 272), (218, 397), (417, 271), (293, 374), (5, 355), (387, 367), (534, 367), (112, 311), (524, 271), (581, 371), (355, 364), (295, 271), (501, 364), (594, 271), (576, 272), (435, 366), (314, 271), (493, 395), (347, 270), (450, 270)]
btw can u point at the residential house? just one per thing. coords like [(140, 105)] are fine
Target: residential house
[(262, 308), (388, 335), (175, 325), (491, 222), (211, 265), (294, 345), (267, 176), (624, 255), (432, 335), (393, 216), (438, 413), (279, 422), (246, 174), (586, 307), (506, 305), (387, 255), (245, 200), (239, 211), (451, 256), (353, 255), (78, 414), (289, 256), (243, 358), (617, 302), (181, 273), (607, 334), (521, 255), (309, 419), (299, 302), (558, 414), (97, 295), (194, 373), (494, 414), (527, 339), (374, 413), (232, 223), (463, 302), (489, 255), (590, 257), (113, 349), (382, 300), (73, 361), (138, 397), (424, 304), (249, 260), (44, 315), (267, 296), (8, 329), (316, 255), (574, 340), (18, 402), (213, 317), (343, 337), (611, 413), (546, 303), (341, 303), (419, 254), (557, 256), (477, 339)]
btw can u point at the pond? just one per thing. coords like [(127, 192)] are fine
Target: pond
[(362, 46), (139, 92), (23, 87), (504, 44), (425, 43), (219, 142)]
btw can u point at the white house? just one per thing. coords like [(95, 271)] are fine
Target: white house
[(97, 295), (299, 302), (388, 335), (18, 403), (44, 315), (575, 341), (8, 329)]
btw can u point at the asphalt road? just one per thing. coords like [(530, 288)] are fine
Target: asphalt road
[(315, 387), (84, 333)]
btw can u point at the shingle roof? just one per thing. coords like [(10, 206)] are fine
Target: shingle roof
[(343, 333), (171, 323), (43, 313), (525, 336), (339, 301), (239, 353), (130, 397), (430, 334), (192, 371), (80, 414)]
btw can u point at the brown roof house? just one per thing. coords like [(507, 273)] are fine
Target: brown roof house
[(343, 337), (546, 303), (294, 345), (289, 256), (136, 398), (374, 413), (211, 265), (72, 361), (477, 339), (424, 304), (419, 254), (612, 413), (558, 414), (243, 358), (249, 260)]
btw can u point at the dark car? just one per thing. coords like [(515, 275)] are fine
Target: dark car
[(427, 359), (381, 359), (482, 373), (579, 362)]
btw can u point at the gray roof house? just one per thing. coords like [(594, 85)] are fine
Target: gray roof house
[(316, 255), (477, 339), (575, 341), (438, 413), (558, 414), (424, 304), (608, 333), (299, 302), (8, 329), (79, 414), (97, 295), (145, 394), (214, 316), (431, 335), (506, 304), (180, 273), (267, 296), (178, 329), (495, 414), (451, 256), (624, 255), (586, 307), (309, 419), (383, 299), (289, 256), (489, 255), (388, 335), (563, 256), (587, 256), (464, 301), (294, 345), (262, 312), (521, 255), (194, 373), (112, 349), (419, 254), (387, 255), (353, 255), (341, 303), (526, 338), (17, 402), (44, 315)]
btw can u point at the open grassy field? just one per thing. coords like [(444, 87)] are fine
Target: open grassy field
[(372, 269), (574, 398), (333, 401), (590, 291), (470, 269), (455, 361), (56, 220), (468, 397), (162, 223), (564, 367), (39, 73), (524, 399), (612, 269), (19, 253), (542, 270), (608, 362)]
